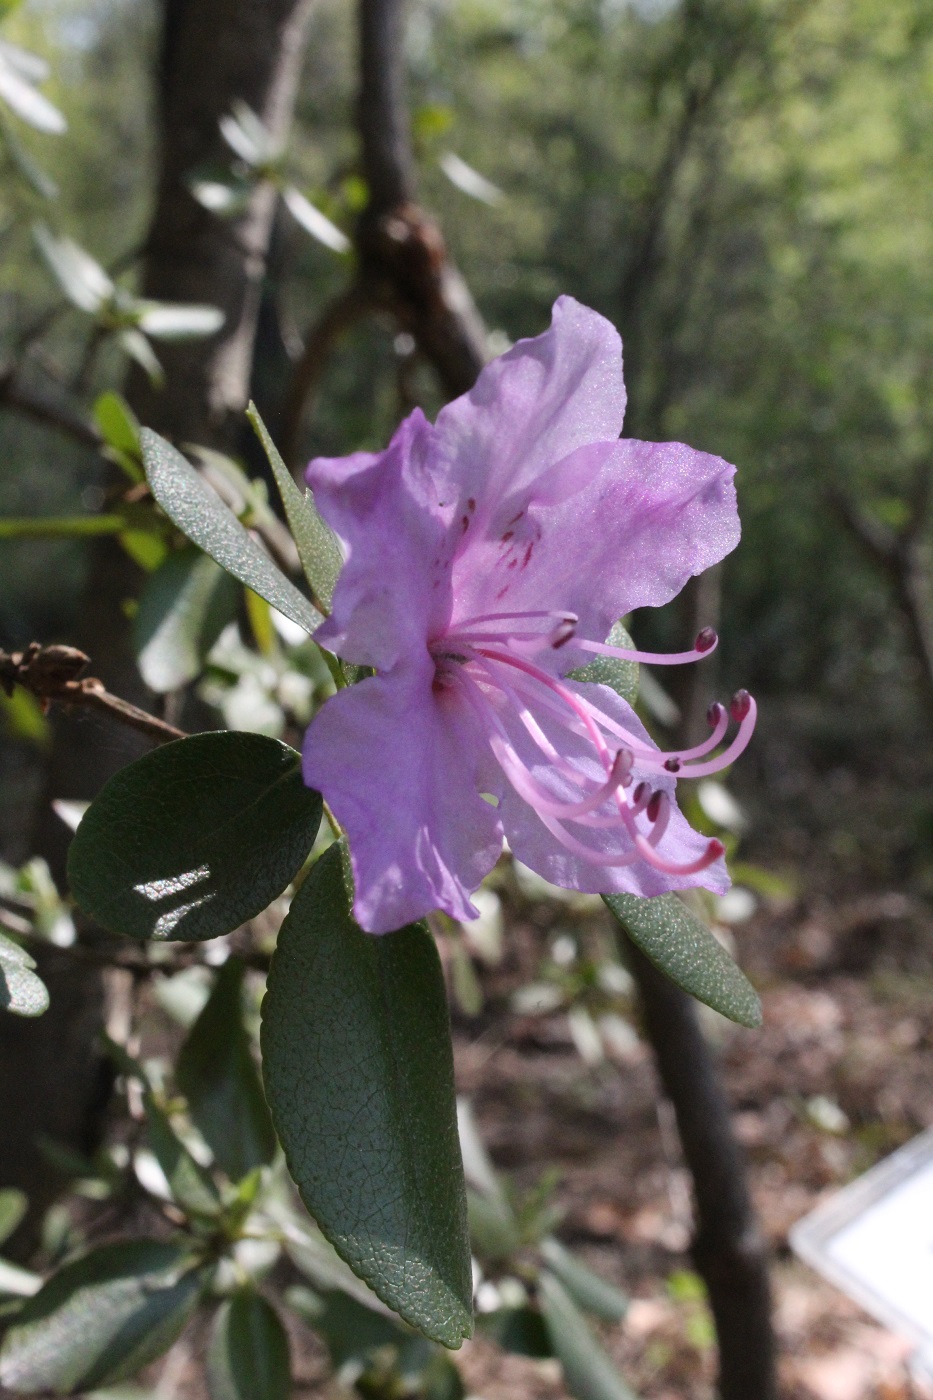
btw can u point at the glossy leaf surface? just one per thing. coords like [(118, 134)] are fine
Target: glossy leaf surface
[(195, 838)]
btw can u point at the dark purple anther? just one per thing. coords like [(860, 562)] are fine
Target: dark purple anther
[(714, 714), (740, 705), (655, 802), (706, 639), (672, 765)]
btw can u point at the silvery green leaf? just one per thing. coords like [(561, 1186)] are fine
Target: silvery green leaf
[(21, 991), (468, 180), (138, 348), (166, 321), (314, 222), (81, 277), (19, 70), (201, 515), (318, 549)]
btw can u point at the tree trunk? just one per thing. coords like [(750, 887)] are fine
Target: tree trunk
[(728, 1250), (53, 1081)]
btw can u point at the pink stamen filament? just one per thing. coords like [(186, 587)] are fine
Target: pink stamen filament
[(484, 644), (652, 658)]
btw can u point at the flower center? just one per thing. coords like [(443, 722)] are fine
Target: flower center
[(598, 777)]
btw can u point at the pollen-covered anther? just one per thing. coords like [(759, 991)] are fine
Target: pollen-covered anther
[(706, 639), (740, 705)]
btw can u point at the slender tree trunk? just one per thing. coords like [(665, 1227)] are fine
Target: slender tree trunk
[(53, 1081), (728, 1251)]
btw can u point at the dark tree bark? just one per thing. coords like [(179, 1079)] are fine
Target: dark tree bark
[(53, 1081), (214, 54), (728, 1250)]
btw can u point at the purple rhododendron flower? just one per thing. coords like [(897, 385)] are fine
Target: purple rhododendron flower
[(487, 556)]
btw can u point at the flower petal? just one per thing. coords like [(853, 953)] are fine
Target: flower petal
[(528, 410), (394, 587), (644, 517), (398, 766), (535, 846)]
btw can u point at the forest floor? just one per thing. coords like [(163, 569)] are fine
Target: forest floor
[(840, 1075)]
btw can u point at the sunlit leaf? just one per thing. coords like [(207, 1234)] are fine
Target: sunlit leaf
[(138, 348), (183, 608), (19, 70), (190, 1184), (165, 321), (80, 277), (621, 676), (195, 838), (247, 136), (101, 1318), (21, 991), (201, 515), (359, 1075), (468, 180), (314, 222)]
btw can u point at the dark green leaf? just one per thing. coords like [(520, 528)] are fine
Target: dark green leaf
[(317, 545), (101, 1318), (587, 1289), (195, 838), (184, 607), (201, 515), (218, 1076), (588, 1372), (191, 1186), (519, 1330), (493, 1228), (685, 951), (13, 1206), (248, 1355), (621, 676), (351, 1331), (21, 991), (359, 1074)]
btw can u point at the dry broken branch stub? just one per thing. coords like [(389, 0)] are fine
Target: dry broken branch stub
[(53, 673)]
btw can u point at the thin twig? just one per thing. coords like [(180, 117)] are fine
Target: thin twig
[(337, 318), (38, 406), (53, 673)]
